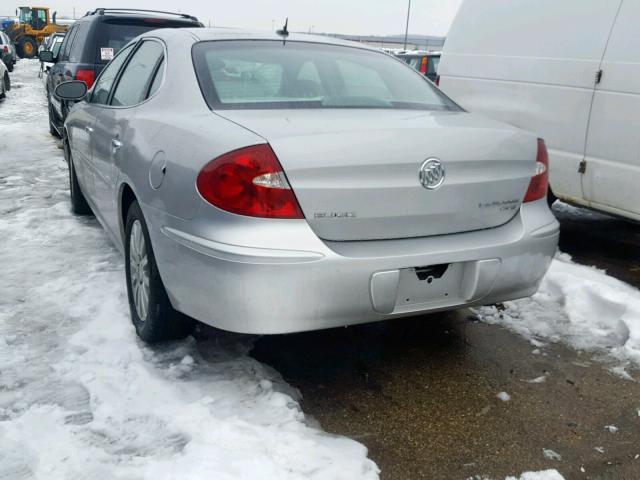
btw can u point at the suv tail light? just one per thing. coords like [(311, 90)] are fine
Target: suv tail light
[(251, 182), (540, 181), (6, 49), (437, 80), (423, 65), (86, 76)]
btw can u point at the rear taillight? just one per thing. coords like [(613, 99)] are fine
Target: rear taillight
[(438, 81), (6, 49), (86, 76), (540, 181), (251, 182), (423, 65)]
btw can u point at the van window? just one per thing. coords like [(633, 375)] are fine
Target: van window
[(134, 81)]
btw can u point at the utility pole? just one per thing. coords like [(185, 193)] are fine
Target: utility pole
[(406, 30)]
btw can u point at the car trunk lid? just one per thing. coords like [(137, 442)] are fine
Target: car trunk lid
[(356, 173)]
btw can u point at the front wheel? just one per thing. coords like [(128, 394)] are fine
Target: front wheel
[(29, 47), (153, 316)]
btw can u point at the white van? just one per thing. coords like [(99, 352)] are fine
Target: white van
[(566, 70)]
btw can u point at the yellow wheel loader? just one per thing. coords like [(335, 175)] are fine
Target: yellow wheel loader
[(33, 27)]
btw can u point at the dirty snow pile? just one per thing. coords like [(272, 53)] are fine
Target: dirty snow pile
[(581, 306), (80, 397)]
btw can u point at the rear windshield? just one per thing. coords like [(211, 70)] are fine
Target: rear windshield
[(114, 34), (247, 74)]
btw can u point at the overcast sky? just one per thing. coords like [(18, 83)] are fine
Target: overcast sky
[(359, 17)]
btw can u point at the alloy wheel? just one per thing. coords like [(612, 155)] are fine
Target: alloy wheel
[(139, 269)]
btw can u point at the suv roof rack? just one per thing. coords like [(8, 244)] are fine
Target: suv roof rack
[(102, 11)]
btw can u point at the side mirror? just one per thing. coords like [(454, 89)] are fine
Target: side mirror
[(46, 56), (74, 90)]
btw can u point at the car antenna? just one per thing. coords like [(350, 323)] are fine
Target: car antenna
[(284, 31)]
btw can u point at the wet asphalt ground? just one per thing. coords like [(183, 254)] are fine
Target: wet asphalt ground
[(421, 393)]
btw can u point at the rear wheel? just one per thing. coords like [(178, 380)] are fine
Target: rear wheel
[(10, 65), (79, 204), (29, 47), (153, 316)]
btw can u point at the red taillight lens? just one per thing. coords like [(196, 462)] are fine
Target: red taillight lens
[(251, 182), (86, 76), (6, 49), (438, 81), (540, 181), (423, 65)]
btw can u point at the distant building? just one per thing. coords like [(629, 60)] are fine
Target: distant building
[(396, 42)]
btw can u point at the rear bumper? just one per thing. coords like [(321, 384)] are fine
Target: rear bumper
[(267, 291)]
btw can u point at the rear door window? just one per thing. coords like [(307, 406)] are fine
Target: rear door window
[(105, 81), (137, 75), (157, 80), (57, 43)]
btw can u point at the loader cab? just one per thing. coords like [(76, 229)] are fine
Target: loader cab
[(36, 17)]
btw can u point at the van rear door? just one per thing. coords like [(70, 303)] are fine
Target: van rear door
[(612, 170), (532, 64)]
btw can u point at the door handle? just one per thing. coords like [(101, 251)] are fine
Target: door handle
[(88, 129), (115, 145)]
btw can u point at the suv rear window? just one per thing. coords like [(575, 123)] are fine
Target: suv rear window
[(247, 74), (115, 33)]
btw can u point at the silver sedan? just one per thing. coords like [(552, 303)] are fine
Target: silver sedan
[(274, 183)]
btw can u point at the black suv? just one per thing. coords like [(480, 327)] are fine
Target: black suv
[(93, 40)]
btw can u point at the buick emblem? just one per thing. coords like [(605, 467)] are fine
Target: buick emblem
[(432, 174)]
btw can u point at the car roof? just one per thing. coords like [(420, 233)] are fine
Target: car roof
[(217, 33), (124, 14)]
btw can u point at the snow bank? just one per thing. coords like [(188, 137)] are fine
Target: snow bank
[(80, 397), (581, 306)]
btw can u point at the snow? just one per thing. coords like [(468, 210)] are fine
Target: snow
[(80, 396), (551, 455), (504, 396), (581, 306), (544, 475), (540, 379)]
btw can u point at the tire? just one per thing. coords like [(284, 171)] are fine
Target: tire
[(28, 47), (52, 129), (7, 82), (152, 315), (10, 66), (551, 198), (79, 205)]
